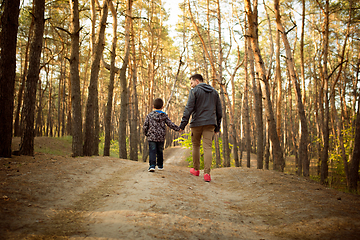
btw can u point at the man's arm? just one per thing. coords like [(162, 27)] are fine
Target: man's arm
[(218, 114), (188, 110)]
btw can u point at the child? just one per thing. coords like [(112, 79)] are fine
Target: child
[(154, 129)]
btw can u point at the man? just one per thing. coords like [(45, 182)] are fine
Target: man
[(205, 108)]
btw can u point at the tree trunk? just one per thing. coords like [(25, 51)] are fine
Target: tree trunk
[(135, 113), (355, 158), (60, 92), (17, 127), (90, 136), (38, 122), (279, 161), (9, 28), (246, 105), (27, 139), (217, 151), (69, 110), (302, 66), (337, 123), (232, 120), (303, 152), (49, 121), (267, 147), (76, 118), (63, 100), (226, 149), (259, 136), (123, 84), (111, 84), (279, 86), (325, 153)]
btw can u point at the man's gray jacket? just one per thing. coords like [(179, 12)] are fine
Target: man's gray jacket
[(204, 106)]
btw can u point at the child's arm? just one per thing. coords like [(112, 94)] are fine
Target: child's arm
[(146, 126), (171, 124)]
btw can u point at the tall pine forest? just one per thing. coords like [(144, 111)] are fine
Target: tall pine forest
[(287, 73)]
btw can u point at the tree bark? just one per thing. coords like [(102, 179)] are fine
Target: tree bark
[(27, 139), (232, 111), (303, 152), (226, 149), (90, 136), (76, 118), (325, 152), (246, 105), (279, 161), (17, 127), (338, 125), (111, 84), (259, 136), (279, 86), (135, 110), (302, 51), (355, 158), (123, 84), (9, 28)]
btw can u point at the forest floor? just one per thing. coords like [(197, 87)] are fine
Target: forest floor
[(58, 197)]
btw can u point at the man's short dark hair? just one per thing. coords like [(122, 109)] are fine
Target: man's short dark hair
[(197, 76), (158, 103)]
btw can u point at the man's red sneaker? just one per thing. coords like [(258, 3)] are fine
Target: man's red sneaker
[(207, 177), (194, 172)]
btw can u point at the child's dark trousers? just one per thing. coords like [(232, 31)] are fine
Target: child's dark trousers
[(156, 156)]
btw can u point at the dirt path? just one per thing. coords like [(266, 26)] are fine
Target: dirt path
[(52, 197)]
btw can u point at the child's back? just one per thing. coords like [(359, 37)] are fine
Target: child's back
[(155, 126)]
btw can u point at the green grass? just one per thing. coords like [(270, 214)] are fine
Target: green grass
[(60, 146)]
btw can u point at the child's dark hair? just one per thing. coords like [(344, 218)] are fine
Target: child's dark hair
[(158, 103)]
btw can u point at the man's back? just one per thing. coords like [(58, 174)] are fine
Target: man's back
[(204, 106)]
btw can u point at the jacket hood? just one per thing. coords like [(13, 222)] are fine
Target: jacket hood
[(157, 115), (205, 87)]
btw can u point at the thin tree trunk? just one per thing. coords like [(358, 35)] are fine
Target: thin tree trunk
[(69, 110), (135, 113), (232, 108), (27, 139), (9, 28), (60, 92), (279, 161), (76, 118), (325, 153), (17, 127), (303, 152), (111, 84), (279, 86), (63, 100), (259, 136), (302, 51), (217, 151), (224, 121), (123, 84), (49, 121), (246, 105), (241, 110), (38, 122), (355, 158), (267, 146), (337, 122), (90, 137)]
